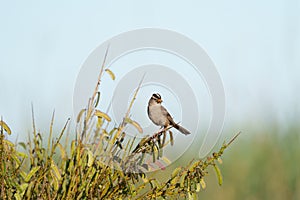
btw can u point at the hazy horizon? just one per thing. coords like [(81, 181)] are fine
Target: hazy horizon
[(254, 45)]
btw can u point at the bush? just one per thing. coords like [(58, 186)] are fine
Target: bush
[(99, 163)]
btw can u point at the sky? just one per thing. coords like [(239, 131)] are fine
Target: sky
[(255, 46)]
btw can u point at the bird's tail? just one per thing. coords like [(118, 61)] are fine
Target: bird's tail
[(181, 129)]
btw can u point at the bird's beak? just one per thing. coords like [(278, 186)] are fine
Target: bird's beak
[(159, 100)]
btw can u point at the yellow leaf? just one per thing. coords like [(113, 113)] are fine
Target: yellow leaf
[(73, 148), (203, 184), (21, 154), (5, 127), (111, 74), (21, 190), (145, 179), (55, 184), (198, 188), (175, 180), (166, 160), (29, 190), (17, 196), (196, 164), (55, 170), (99, 122), (135, 124), (90, 158), (31, 173), (182, 179), (98, 113), (62, 151), (192, 196), (23, 174), (105, 189), (16, 159), (176, 171), (54, 175), (9, 143), (23, 187), (79, 115)]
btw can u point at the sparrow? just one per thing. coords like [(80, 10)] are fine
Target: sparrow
[(160, 116)]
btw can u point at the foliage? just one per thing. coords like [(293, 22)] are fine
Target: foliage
[(99, 163)]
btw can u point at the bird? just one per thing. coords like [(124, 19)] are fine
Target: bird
[(160, 116)]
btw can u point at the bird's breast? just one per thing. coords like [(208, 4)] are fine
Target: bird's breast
[(156, 115)]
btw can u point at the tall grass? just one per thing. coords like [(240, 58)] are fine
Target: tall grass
[(100, 163)]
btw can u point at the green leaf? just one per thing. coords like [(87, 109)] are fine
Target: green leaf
[(23, 145), (97, 99), (171, 138), (219, 175)]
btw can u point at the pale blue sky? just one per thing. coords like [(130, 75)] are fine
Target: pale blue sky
[(254, 44)]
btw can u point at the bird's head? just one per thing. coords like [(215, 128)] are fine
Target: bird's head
[(156, 97)]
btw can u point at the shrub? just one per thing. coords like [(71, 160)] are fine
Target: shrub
[(98, 164)]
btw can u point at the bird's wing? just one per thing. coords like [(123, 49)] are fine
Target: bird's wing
[(175, 125), (169, 117)]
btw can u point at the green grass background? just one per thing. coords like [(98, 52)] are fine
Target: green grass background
[(260, 165)]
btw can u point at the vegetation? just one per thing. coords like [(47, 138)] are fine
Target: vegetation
[(263, 165), (99, 163)]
